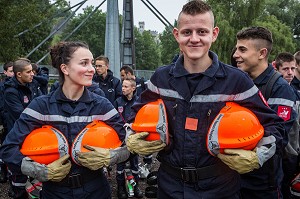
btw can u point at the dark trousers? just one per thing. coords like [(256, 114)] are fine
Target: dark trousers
[(261, 194), (133, 166), (98, 188)]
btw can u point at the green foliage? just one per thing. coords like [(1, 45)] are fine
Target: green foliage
[(282, 17), (92, 31), (18, 16), (281, 33), (146, 51), (169, 46)]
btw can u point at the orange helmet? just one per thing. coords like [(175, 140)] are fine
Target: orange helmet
[(45, 145), (97, 134), (235, 127), (152, 118)]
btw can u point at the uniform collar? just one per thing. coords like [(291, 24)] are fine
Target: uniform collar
[(263, 78), (59, 96), (296, 81), (178, 70)]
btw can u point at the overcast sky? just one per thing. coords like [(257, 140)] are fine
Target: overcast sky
[(168, 8)]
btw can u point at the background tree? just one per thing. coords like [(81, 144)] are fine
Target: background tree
[(92, 32), (146, 51), (169, 46)]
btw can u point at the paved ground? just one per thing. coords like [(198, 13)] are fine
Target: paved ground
[(4, 187)]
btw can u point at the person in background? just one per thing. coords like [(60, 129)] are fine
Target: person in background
[(285, 64), (110, 85), (253, 48), (17, 96), (194, 90), (8, 73), (41, 76), (123, 105), (296, 81), (127, 72), (69, 109)]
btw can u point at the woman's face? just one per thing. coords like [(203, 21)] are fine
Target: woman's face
[(80, 69)]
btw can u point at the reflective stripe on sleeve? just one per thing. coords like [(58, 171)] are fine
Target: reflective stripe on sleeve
[(205, 98), (280, 101), (72, 119)]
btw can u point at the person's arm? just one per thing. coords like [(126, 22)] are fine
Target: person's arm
[(282, 101), (118, 88), (41, 80), (13, 104)]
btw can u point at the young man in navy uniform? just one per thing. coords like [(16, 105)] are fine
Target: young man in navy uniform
[(194, 89)]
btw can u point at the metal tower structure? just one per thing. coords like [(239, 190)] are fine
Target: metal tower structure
[(112, 37), (127, 38)]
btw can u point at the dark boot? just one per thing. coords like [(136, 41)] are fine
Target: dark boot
[(122, 194), (137, 192)]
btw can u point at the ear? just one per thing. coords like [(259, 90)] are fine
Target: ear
[(215, 33), (263, 53), (175, 33), (19, 74), (63, 68)]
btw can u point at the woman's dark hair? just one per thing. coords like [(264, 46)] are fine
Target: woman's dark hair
[(62, 52)]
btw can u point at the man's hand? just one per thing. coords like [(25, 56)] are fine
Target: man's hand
[(136, 143), (100, 157), (59, 169), (242, 161), (54, 171)]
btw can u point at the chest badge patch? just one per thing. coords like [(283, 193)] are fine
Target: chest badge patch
[(120, 109), (26, 100), (284, 112)]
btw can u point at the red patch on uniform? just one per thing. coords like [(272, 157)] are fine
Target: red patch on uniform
[(263, 99), (120, 109), (26, 100), (284, 112)]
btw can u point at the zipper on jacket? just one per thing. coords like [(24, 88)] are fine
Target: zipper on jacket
[(175, 111), (208, 117)]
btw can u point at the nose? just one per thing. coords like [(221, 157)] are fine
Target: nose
[(235, 54), (194, 37), (91, 68)]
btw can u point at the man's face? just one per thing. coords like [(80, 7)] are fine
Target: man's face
[(127, 88), (288, 70), (124, 75), (9, 72), (246, 55), (101, 67), (195, 34), (26, 75)]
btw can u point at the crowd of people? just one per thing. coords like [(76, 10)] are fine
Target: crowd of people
[(194, 88)]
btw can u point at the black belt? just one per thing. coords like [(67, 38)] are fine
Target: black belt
[(76, 180), (192, 174)]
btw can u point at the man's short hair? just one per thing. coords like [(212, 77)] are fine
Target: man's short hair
[(297, 57), (102, 58), (127, 69), (7, 65), (195, 7), (131, 80), (20, 64), (257, 33), (283, 57), (35, 67)]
